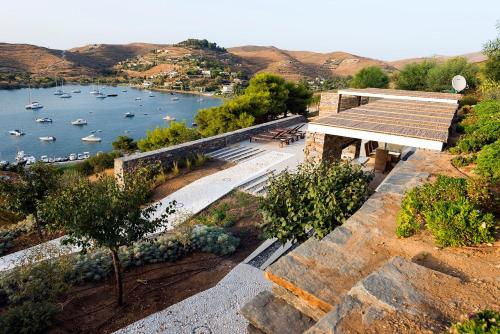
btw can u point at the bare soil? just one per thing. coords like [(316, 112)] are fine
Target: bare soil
[(174, 183), (92, 308)]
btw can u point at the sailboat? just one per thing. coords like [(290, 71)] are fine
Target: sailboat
[(64, 95), (33, 105), (58, 91), (94, 90)]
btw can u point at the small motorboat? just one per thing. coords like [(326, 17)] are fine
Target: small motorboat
[(86, 155), (100, 96), (76, 91), (91, 139), (65, 96), (44, 120), (44, 158), (47, 138), (112, 95), (79, 121), (79, 156), (175, 99), (99, 130), (16, 132), (146, 113), (95, 92), (58, 92), (72, 157), (124, 91), (138, 99), (30, 160), (129, 114), (169, 118), (34, 106), (194, 125), (151, 94)]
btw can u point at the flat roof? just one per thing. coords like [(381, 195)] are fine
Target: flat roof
[(405, 122), (398, 94)]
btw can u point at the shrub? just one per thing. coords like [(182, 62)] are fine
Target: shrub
[(481, 127), (468, 100), (484, 322), (214, 240), (462, 161), (176, 133), (97, 163), (124, 144), (414, 76), (175, 168), (188, 164), (318, 197), (28, 317), (451, 208), (371, 76), (200, 160), (439, 77), (488, 162)]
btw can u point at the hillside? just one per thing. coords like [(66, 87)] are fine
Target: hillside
[(298, 64), (180, 66), (474, 57)]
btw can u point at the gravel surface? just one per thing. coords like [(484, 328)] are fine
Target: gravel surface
[(213, 311), (266, 254)]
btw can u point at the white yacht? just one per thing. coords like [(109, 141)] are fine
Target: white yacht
[(65, 96), (44, 158), (169, 118), (58, 92), (79, 121), (16, 132), (76, 91), (100, 95), (175, 99), (91, 139), (86, 155), (129, 114), (151, 94), (47, 138), (44, 120), (34, 105), (72, 157)]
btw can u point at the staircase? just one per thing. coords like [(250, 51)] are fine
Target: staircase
[(236, 153), (358, 280)]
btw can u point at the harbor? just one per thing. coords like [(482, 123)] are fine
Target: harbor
[(56, 124)]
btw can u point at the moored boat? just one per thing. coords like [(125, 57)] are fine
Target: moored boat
[(91, 139), (47, 138), (79, 121), (169, 118), (16, 132), (129, 114), (44, 120)]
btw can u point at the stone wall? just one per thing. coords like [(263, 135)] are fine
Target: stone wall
[(166, 156), (329, 103), (324, 147)]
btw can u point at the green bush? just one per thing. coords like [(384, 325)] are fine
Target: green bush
[(462, 160), (484, 322), (451, 208), (371, 76), (124, 144), (439, 77), (488, 162), (318, 197), (414, 76), (176, 133), (28, 318), (214, 240), (97, 163), (481, 126)]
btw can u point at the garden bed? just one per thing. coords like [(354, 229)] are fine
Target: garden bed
[(154, 287)]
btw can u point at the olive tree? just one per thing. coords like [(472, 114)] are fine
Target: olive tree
[(370, 77), (107, 213), (27, 189), (317, 196)]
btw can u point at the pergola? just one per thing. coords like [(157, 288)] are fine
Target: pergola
[(408, 118)]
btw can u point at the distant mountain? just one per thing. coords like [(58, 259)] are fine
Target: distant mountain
[(104, 59), (474, 57)]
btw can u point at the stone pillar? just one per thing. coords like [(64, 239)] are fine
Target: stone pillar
[(325, 147)]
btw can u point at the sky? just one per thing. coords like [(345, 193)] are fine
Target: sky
[(387, 30)]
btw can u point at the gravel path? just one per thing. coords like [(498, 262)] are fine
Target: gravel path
[(213, 311)]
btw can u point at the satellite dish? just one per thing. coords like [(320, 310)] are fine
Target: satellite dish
[(458, 82)]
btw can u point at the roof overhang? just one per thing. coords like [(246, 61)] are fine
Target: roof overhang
[(376, 136), (387, 95)]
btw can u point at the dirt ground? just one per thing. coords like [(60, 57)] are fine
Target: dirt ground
[(184, 178), (152, 288)]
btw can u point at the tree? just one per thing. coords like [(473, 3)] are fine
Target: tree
[(299, 98), (318, 197), (176, 133), (439, 77), (124, 144), (24, 194), (370, 77), (414, 76), (492, 50), (271, 87), (107, 213)]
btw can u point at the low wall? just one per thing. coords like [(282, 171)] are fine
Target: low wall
[(166, 156)]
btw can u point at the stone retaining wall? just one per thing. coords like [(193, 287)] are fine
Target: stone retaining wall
[(166, 156), (329, 103)]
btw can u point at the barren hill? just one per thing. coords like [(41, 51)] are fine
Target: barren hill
[(474, 57), (101, 59), (296, 64)]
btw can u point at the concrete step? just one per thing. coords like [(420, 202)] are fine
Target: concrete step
[(220, 151), (255, 181), (400, 297), (243, 155), (272, 315), (232, 153), (249, 155), (320, 272)]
